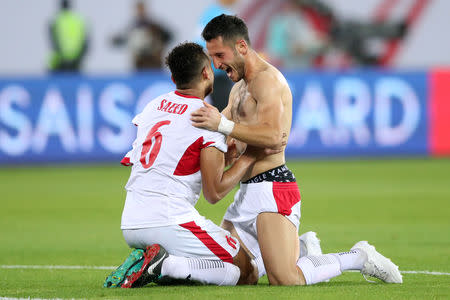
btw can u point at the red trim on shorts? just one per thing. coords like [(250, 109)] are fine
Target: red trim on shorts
[(232, 242), (208, 241), (286, 195)]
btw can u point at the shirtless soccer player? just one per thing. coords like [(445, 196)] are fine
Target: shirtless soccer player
[(266, 210), (171, 161)]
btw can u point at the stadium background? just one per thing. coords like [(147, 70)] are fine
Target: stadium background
[(364, 144)]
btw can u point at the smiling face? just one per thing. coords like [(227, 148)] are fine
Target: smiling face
[(226, 58)]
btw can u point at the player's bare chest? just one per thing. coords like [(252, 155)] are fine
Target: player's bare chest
[(244, 106)]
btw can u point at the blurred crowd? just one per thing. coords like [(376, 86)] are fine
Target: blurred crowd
[(145, 39), (299, 34), (307, 33)]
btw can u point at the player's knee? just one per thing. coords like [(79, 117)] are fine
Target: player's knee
[(284, 277), (249, 276)]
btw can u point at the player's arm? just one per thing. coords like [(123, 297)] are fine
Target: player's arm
[(216, 182), (266, 132)]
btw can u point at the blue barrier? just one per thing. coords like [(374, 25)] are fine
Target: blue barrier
[(78, 118), (358, 113)]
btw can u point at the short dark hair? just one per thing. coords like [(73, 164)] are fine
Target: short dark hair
[(230, 28), (186, 62)]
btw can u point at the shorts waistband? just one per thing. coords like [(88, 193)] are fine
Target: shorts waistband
[(278, 174)]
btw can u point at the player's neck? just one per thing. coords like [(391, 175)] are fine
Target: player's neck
[(192, 92), (253, 65)]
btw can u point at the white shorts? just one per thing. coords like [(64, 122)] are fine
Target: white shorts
[(201, 238), (255, 198)]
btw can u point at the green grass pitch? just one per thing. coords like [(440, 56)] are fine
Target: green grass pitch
[(70, 215)]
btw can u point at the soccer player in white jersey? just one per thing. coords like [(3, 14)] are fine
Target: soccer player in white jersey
[(171, 161), (266, 209)]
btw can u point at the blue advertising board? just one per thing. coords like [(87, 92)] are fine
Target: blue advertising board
[(358, 113), (78, 118), (72, 118)]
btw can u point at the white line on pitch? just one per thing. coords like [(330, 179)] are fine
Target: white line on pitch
[(425, 272), (57, 267), (417, 272), (112, 268), (9, 298)]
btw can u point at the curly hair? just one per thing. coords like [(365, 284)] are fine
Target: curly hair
[(186, 62)]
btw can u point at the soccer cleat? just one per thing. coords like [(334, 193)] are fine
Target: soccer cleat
[(377, 265), (150, 270), (309, 244), (132, 264)]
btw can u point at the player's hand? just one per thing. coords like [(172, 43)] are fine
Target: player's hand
[(260, 153), (240, 146), (235, 149), (279, 148), (207, 117), (284, 139), (232, 153), (269, 151)]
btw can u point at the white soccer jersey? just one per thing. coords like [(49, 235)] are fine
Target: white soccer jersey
[(165, 179)]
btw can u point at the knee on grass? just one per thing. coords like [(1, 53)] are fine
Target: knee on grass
[(248, 276), (285, 277)]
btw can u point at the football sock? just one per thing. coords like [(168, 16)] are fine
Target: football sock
[(323, 267), (302, 248), (319, 268), (203, 270), (351, 260)]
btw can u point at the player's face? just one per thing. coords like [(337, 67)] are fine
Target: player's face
[(226, 58)]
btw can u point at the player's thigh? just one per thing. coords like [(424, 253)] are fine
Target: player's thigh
[(278, 241), (243, 259)]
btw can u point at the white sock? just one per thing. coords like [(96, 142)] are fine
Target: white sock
[(203, 270), (351, 260), (319, 268), (302, 248)]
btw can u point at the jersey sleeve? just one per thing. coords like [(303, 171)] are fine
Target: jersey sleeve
[(137, 120), (215, 139)]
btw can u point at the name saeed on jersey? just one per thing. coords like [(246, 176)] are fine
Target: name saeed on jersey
[(172, 107)]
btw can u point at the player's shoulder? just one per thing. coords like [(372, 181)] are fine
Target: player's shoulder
[(271, 75), (269, 79)]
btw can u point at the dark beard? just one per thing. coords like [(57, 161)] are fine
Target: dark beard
[(239, 66)]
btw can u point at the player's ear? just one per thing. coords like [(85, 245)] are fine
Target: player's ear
[(242, 47), (171, 77), (205, 73)]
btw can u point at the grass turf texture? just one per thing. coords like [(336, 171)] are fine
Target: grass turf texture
[(70, 215)]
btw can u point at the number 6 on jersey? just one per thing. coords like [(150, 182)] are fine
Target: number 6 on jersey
[(153, 133)]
